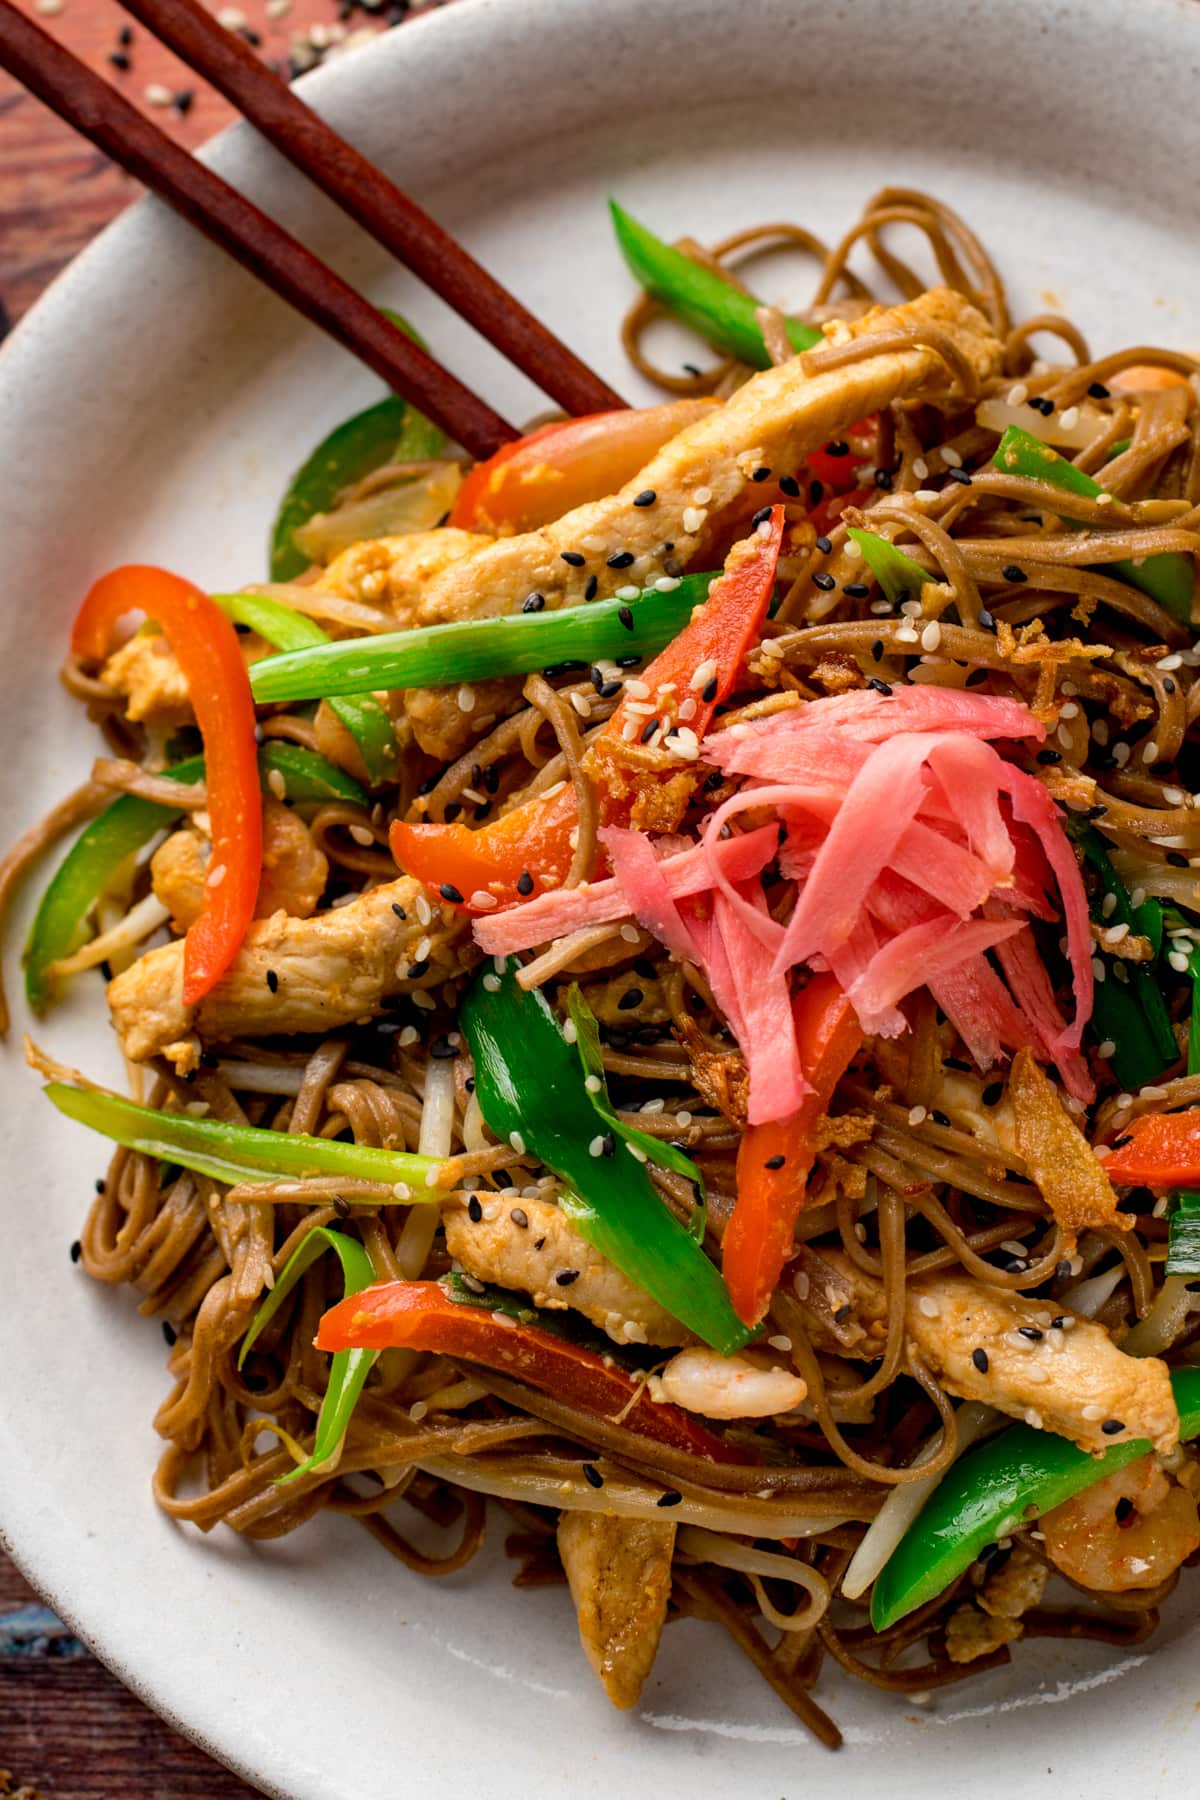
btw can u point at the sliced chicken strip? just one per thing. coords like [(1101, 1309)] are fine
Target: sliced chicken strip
[(986, 1343), (531, 1245), (394, 571), (290, 975), (619, 1573), (697, 478), (294, 871), (145, 671)]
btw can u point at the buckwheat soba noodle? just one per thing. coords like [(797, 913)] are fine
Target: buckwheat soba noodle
[(657, 975)]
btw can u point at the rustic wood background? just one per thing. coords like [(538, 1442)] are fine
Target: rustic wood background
[(68, 1729)]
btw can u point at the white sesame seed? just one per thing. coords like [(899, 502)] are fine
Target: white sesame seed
[(482, 901), (704, 674), (1178, 962), (278, 9), (216, 875), (780, 1342), (1106, 1049), (912, 609), (582, 705), (1100, 731), (48, 9), (232, 18), (687, 709), (1018, 394), (1115, 934), (570, 1031), (693, 519), (637, 1153), (629, 731), (927, 496), (423, 910), (1108, 906), (408, 1037), (424, 1002), (917, 1115), (1104, 499), (1150, 751), (683, 1119), (931, 637), (474, 796), (628, 592), (517, 1142), (880, 607), (666, 584), (362, 834), (1092, 1412), (155, 94), (1069, 419), (702, 496), (1120, 754), (596, 1147), (466, 699), (1098, 969), (1033, 1417), (492, 983), (1069, 711), (637, 689), (1063, 736), (906, 635), (920, 468), (593, 1084), (630, 933), (950, 457), (928, 1306), (1152, 1091), (1174, 661), (276, 783)]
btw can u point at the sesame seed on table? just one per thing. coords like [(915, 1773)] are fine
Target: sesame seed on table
[(68, 1729)]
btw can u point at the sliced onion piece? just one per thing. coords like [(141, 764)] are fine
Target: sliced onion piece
[(730, 1553)]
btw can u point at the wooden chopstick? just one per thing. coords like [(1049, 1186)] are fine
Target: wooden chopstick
[(86, 101), (374, 202)]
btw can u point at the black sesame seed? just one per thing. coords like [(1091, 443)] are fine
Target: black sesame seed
[(877, 650), (824, 545), (837, 448), (843, 1313), (469, 1084), (1011, 572), (1112, 1427), (1123, 1509), (629, 662), (608, 1144), (1192, 1287), (939, 1118), (708, 692), (1040, 404), (1058, 1323), (824, 581), (539, 1243), (763, 474), (592, 1475), (1015, 1265), (341, 1206), (883, 480), (417, 969), (1031, 1332), (1049, 756), (691, 369), (565, 1277), (252, 37), (1168, 685), (590, 591), (572, 558), (119, 60), (980, 1359), (774, 1162), (474, 1210), (881, 687), (100, 1184), (855, 590), (959, 475), (620, 559), (524, 882), (518, 1215), (630, 998), (184, 100), (76, 1251), (648, 730), (761, 516), (672, 1497), (125, 36), (430, 782), (790, 486), (272, 981), (712, 782), (1098, 391), (986, 621), (816, 490), (626, 617), (956, 1062), (442, 1049), (647, 497), (992, 1092), (533, 603), (448, 891), (672, 566), (1062, 1270), (399, 910), (1176, 859)]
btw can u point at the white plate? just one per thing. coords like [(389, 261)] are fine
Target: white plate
[(151, 408)]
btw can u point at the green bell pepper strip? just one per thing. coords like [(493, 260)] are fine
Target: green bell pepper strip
[(1168, 579), (365, 719), (530, 1088), (390, 431), (89, 867), (1133, 1016), (349, 1369), (308, 779), (898, 575), (477, 649), (127, 826), (655, 1150), (234, 1153), (702, 299), (993, 1490)]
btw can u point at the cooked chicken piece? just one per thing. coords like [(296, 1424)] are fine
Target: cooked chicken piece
[(971, 1634), (1059, 1157), (293, 877), (619, 1573), (775, 420), (1071, 1378), (529, 1244), (1018, 1583), (146, 672), (394, 571), (330, 970)]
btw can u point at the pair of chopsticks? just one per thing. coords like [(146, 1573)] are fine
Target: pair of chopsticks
[(86, 101)]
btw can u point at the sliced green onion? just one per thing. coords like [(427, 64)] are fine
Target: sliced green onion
[(236, 1153), (349, 1369), (476, 649)]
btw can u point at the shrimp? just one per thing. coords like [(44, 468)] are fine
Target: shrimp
[(1131, 1530), (728, 1387)]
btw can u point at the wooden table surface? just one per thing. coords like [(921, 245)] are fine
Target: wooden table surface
[(68, 1729)]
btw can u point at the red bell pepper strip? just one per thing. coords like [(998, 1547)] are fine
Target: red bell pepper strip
[(420, 1315), (774, 1159), (566, 464), (534, 840), (1163, 1152), (206, 648)]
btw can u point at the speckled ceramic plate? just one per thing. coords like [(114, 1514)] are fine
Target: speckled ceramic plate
[(151, 409)]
